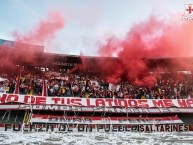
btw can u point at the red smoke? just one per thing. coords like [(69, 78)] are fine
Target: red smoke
[(44, 31), (151, 39), (40, 34)]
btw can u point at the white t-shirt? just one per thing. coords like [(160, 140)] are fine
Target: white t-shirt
[(2, 90)]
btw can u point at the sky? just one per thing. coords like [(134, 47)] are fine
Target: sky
[(88, 23)]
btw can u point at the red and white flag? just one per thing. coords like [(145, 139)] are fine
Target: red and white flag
[(16, 91), (44, 89)]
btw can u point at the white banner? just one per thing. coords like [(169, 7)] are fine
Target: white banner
[(95, 109), (36, 118), (98, 102), (94, 128)]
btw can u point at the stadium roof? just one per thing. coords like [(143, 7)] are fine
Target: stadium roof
[(17, 45), (40, 58)]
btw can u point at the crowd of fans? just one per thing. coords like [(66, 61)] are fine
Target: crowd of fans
[(82, 85)]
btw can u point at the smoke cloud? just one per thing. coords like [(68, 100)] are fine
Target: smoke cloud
[(40, 34), (44, 31), (153, 39)]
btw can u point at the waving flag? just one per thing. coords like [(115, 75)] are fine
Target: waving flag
[(16, 91), (44, 89)]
